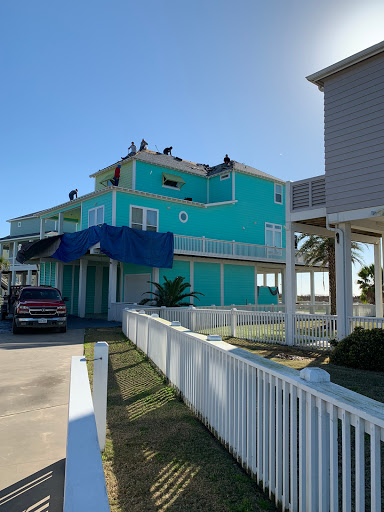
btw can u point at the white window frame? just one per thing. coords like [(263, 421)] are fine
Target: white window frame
[(281, 193), (180, 219), (145, 210), (95, 210), (275, 228), (19, 224), (225, 176)]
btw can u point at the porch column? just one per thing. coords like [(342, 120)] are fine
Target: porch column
[(112, 285), (312, 290), (256, 295), (276, 279), (23, 279), (264, 279), (82, 287), (378, 281), (60, 224), (59, 274), (14, 252), (29, 277), (343, 278), (290, 284), (42, 228), (283, 286)]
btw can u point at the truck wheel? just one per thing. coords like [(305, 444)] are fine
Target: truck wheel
[(15, 329)]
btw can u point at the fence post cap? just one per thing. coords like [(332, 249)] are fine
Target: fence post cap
[(163, 307), (214, 337), (191, 307), (127, 309), (315, 375), (234, 309), (155, 315), (175, 323), (141, 312)]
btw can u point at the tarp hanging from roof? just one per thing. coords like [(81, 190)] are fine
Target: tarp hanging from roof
[(123, 244), (39, 249)]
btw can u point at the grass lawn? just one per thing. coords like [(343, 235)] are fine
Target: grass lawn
[(158, 456), (367, 383)]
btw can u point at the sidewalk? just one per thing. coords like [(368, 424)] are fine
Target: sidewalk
[(34, 392)]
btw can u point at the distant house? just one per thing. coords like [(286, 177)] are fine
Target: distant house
[(228, 224), (347, 202)]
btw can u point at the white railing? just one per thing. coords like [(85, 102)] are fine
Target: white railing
[(85, 487), (365, 322), (314, 331), (311, 444)]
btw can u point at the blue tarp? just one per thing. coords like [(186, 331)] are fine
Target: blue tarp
[(123, 244)]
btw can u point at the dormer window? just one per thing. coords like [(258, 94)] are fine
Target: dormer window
[(172, 181)]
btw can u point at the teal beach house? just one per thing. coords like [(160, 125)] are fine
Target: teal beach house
[(227, 221)]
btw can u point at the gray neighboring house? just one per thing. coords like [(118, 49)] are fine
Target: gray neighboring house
[(347, 202), (24, 229)]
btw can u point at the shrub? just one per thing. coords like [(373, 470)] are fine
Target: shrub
[(363, 349)]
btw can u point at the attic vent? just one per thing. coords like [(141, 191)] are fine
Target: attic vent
[(172, 181)]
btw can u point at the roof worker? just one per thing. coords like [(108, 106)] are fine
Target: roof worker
[(143, 145), (116, 178), (227, 160), (131, 151), (168, 151), (72, 194)]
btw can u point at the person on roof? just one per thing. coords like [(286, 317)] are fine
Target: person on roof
[(72, 194), (143, 145), (168, 151), (116, 178), (131, 151), (227, 160)]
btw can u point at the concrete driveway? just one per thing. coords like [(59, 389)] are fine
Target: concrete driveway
[(34, 392)]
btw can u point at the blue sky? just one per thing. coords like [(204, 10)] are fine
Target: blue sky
[(81, 80)]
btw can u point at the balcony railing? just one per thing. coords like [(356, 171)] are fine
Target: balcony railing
[(308, 194), (227, 249)]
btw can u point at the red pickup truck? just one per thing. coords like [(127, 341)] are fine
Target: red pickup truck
[(39, 307)]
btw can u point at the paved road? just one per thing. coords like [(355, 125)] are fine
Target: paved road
[(34, 387)]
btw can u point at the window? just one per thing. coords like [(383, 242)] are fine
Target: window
[(278, 193), (183, 216), (19, 224), (273, 235), (224, 176), (96, 216), (145, 219), (172, 181)]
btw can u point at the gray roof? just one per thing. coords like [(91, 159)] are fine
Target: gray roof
[(14, 237), (178, 164), (318, 77), (26, 216)]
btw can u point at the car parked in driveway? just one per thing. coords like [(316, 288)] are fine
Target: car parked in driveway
[(39, 307)]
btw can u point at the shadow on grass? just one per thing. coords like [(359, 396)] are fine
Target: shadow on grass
[(158, 456)]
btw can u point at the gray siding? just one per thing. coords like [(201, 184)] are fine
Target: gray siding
[(354, 136), (29, 226)]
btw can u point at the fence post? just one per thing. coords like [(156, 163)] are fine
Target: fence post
[(100, 383), (192, 318), (233, 322)]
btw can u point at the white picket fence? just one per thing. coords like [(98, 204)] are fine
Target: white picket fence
[(314, 331), (313, 445), (365, 322)]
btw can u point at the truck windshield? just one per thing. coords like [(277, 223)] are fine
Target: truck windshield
[(43, 294)]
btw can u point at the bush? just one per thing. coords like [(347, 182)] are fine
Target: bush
[(363, 349)]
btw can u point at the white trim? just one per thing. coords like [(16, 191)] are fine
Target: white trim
[(275, 228), (172, 188), (220, 203), (134, 175), (256, 297), (180, 219), (233, 186), (281, 193), (113, 208), (222, 284), (145, 209), (192, 278), (225, 176), (363, 213), (95, 209), (305, 214)]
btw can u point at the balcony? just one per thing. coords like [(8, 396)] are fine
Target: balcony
[(201, 246), (308, 194)]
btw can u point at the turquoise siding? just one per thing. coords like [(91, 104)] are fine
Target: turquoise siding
[(125, 177), (207, 281), (104, 299), (220, 190), (103, 200), (149, 178), (90, 295), (180, 268), (53, 274), (265, 296), (239, 284), (67, 285), (76, 290)]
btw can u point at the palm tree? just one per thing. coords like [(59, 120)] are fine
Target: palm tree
[(320, 250), (171, 293), (367, 283)]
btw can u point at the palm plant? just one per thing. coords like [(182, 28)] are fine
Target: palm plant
[(171, 293), (320, 250), (4, 264), (367, 283)]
